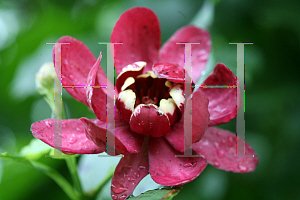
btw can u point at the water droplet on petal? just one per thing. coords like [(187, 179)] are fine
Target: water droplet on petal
[(190, 164), (216, 163), (141, 168), (123, 197), (220, 153), (216, 144), (72, 139), (79, 129), (242, 167), (230, 141), (48, 124), (64, 81), (114, 197), (71, 77), (64, 122), (130, 179), (118, 188), (223, 141)]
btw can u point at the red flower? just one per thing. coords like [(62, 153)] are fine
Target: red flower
[(149, 106)]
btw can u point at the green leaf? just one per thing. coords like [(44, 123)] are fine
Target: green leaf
[(159, 194), (205, 16), (59, 155), (35, 149), (52, 173), (1, 169)]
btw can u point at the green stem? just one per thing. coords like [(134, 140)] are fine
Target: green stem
[(93, 193), (58, 178), (71, 162)]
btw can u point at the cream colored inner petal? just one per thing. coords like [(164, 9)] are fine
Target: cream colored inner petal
[(177, 94), (129, 81), (128, 97), (167, 106), (151, 73)]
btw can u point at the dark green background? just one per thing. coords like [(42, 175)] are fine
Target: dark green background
[(272, 85)]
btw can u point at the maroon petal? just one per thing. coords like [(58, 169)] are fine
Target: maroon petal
[(76, 62), (131, 169), (138, 30), (96, 94), (169, 71), (200, 119), (125, 140), (216, 146), (149, 120), (125, 104), (167, 169), (174, 53), (73, 136), (222, 101), (132, 70)]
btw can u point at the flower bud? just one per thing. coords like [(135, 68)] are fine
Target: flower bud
[(44, 79)]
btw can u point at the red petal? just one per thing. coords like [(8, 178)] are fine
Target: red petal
[(73, 136), (169, 71), (200, 119), (125, 104), (125, 140), (96, 94), (131, 169), (138, 30), (222, 101), (149, 120), (76, 62), (167, 169), (132, 70), (216, 146), (174, 53)]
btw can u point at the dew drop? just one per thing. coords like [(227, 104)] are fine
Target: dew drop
[(79, 129), (216, 144), (71, 77), (64, 81), (220, 153), (118, 188), (123, 197), (137, 174), (114, 197), (223, 141), (219, 133), (242, 167), (190, 164), (230, 141), (130, 179), (72, 139), (216, 163), (141, 168), (64, 122), (48, 124)]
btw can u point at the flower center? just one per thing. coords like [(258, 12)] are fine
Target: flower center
[(149, 89), (150, 104)]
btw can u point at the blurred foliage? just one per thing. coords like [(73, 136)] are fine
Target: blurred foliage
[(272, 85)]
